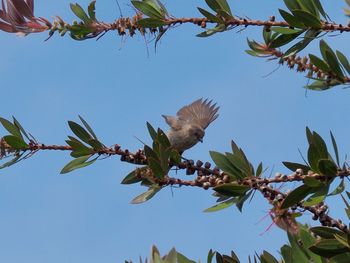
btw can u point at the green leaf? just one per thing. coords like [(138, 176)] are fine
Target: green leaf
[(267, 34), (156, 168), (19, 126), (151, 22), (146, 195), (347, 209), (239, 163), (91, 10), (11, 162), (79, 131), (317, 197), (147, 9), (312, 182), (222, 205), (213, 4), (132, 177), (318, 5), (328, 248), (11, 128), (290, 19), (224, 6), (344, 61), (210, 32), (321, 85), (333, 63), (342, 239), (308, 37), (335, 147), (15, 142), (78, 163), (292, 4), (284, 39), (149, 152), (171, 257), (285, 30), (80, 13), (80, 153), (339, 189), (231, 189), (296, 196), (313, 158), (325, 232), (341, 258), (87, 126), (151, 131), (294, 166), (182, 259), (242, 199), (308, 19), (319, 63), (163, 139), (268, 258), (224, 164), (240, 160), (210, 16), (287, 254), (97, 145), (330, 57), (259, 170), (327, 167), (175, 157), (309, 135), (309, 6), (210, 256), (77, 145), (320, 145)]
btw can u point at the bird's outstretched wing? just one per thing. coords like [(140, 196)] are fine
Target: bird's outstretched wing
[(200, 112)]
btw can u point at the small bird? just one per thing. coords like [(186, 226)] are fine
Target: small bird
[(187, 128)]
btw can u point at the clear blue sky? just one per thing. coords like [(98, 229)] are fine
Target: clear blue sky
[(85, 216)]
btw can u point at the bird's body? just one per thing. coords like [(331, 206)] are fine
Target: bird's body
[(188, 127)]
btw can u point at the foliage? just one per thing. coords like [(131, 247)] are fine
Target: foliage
[(235, 179)]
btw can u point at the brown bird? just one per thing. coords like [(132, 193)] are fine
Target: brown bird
[(188, 127)]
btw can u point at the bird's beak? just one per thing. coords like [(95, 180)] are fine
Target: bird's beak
[(201, 140)]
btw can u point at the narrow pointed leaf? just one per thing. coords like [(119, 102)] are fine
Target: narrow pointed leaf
[(151, 131), (91, 10), (294, 166), (15, 142), (319, 63), (151, 22), (80, 13), (19, 126), (87, 126), (222, 205), (209, 15), (308, 19), (11, 162), (231, 189), (343, 60), (290, 19), (147, 9), (132, 177), (325, 232), (11, 128), (77, 164), (146, 195), (327, 167), (296, 196), (79, 131)]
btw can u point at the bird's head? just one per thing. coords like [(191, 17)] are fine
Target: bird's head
[(196, 132)]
